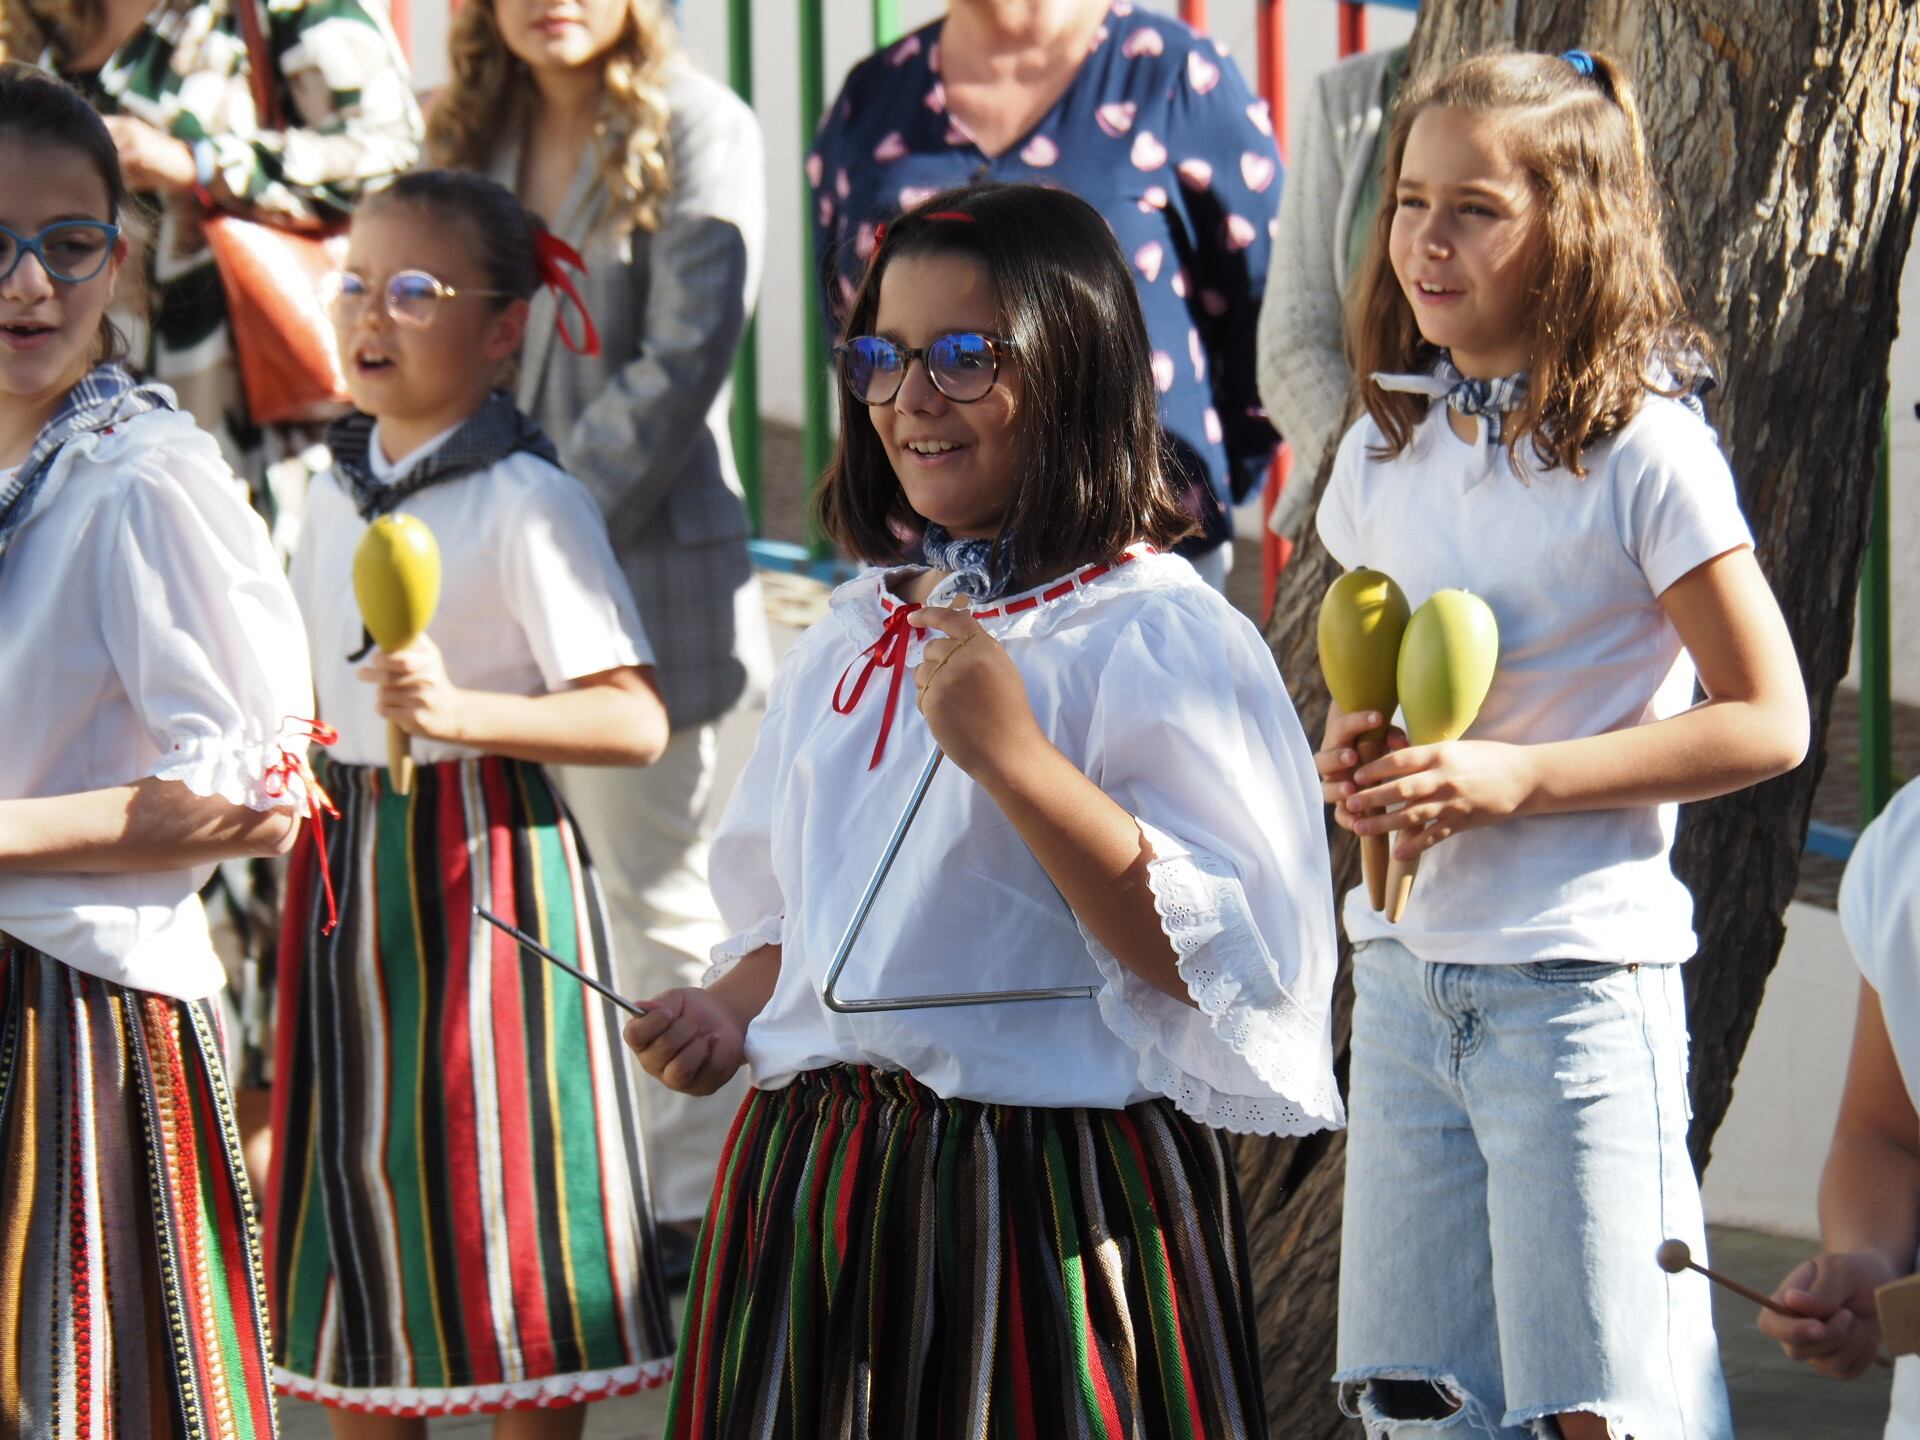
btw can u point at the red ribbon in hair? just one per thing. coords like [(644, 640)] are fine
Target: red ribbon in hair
[(553, 253), (880, 230)]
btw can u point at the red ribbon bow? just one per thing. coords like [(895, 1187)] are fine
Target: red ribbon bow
[(278, 782), (553, 253), (889, 652)]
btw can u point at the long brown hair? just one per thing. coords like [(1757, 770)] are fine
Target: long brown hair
[(488, 83), (1607, 319), (1087, 434)]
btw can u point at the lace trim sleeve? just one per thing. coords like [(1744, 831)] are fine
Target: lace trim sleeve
[(1249, 1058)]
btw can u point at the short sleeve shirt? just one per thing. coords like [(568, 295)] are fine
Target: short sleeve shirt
[(1573, 569), (1159, 133), (531, 595)]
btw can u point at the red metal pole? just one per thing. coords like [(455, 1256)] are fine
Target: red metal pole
[(1271, 35), (1194, 12), (1353, 27), (400, 12)]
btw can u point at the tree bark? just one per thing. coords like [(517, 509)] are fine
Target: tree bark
[(1787, 138)]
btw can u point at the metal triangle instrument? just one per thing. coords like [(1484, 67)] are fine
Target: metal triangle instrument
[(832, 1000)]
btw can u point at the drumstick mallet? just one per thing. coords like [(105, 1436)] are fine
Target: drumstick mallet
[(545, 954), (1674, 1256)]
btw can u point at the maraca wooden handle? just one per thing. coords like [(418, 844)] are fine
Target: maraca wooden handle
[(400, 759), (1374, 849), (1400, 874)]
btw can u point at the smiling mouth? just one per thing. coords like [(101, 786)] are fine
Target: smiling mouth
[(932, 447), (1426, 288), (369, 363), (27, 329)]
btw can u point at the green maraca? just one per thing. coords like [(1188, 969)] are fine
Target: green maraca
[(396, 579), (1447, 659), (1361, 622)]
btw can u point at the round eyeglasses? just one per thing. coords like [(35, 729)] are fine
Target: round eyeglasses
[(413, 296), (962, 366), (70, 251)]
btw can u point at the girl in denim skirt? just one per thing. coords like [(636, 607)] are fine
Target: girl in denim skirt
[(1518, 1089)]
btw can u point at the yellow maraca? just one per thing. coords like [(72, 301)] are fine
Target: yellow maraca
[(396, 579), (1361, 622), (1447, 660)]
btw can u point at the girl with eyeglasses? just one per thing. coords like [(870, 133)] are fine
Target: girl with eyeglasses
[(982, 1190), (458, 1219), (151, 665)]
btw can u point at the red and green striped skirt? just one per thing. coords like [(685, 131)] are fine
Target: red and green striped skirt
[(457, 1219), (879, 1262), (131, 1300)]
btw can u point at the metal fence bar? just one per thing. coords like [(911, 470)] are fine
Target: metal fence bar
[(1876, 644), (886, 22), (746, 364), (813, 370), (1353, 27)]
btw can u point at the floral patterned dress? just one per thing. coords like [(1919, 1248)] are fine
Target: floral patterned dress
[(1159, 133)]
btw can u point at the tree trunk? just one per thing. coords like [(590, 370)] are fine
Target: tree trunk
[(1786, 137)]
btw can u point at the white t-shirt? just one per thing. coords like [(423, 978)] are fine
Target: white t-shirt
[(1573, 570), (531, 597), (146, 629), (1880, 912), (1168, 699)]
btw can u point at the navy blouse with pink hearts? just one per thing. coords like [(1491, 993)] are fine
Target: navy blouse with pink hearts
[(1158, 132)]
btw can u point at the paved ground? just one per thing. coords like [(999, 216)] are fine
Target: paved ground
[(1773, 1399)]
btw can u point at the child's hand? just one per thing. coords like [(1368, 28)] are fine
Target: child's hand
[(689, 1040), (415, 693), (1339, 755), (1841, 1333), (971, 693), (1458, 785)]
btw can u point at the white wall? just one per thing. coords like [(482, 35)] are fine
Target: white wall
[(1767, 1154), (1904, 498)]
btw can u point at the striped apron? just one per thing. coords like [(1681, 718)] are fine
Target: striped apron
[(878, 1262), (457, 1219), (131, 1300)]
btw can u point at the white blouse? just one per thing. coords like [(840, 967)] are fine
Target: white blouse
[(531, 597), (148, 631), (1169, 700)]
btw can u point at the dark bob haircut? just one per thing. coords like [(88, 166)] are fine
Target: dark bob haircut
[(1087, 434)]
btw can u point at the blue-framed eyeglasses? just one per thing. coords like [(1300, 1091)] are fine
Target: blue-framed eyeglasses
[(70, 251), (962, 366)]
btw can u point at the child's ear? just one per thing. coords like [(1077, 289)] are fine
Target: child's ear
[(507, 329)]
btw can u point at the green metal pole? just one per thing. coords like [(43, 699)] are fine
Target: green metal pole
[(1876, 646), (886, 22), (746, 364), (813, 104)]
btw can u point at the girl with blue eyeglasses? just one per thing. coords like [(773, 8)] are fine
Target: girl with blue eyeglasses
[(979, 1186), (151, 666)]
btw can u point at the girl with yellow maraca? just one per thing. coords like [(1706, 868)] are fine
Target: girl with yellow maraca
[(1518, 1085), (458, 1218)]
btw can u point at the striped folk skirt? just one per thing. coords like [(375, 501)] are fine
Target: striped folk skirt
[(878, 1262), (457, 1219), (131, 1300)]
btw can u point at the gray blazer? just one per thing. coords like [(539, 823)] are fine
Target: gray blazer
[(644, 424)]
